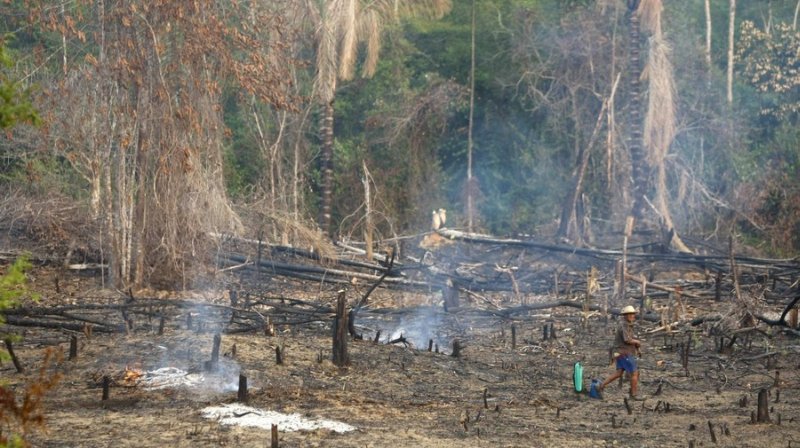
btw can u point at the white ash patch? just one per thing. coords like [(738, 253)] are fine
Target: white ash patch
[(237, 414)]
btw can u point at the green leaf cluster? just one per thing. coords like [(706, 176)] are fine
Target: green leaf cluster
[(15, 105), (13, 288)]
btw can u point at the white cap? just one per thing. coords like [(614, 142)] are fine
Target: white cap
[(628, 310)]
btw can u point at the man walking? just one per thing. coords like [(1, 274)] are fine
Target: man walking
[(626, 348)]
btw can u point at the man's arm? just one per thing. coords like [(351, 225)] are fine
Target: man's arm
[(627, 336)]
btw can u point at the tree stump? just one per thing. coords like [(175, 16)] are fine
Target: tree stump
[(106, 386), (215, 349), (242, 394), (73, 347), (340, 356), (711, 432), (762, 415), (450, 295), (456, 349), (234, 296), (513, 337)]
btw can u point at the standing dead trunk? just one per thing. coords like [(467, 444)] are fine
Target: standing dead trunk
[(708, 37), (470, 189), (731, 29), (763, 407), (326, 166), (340, 356), (368, 212)]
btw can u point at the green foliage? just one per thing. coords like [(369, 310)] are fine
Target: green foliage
[(13, 285), (21, 416), (244, 162), (13, 289), (770, 62), (15, 105)]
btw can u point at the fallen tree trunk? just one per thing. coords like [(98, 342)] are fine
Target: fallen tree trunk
[(323, 272), (637, 279), (715, 262), (507, 312), (20, 321)]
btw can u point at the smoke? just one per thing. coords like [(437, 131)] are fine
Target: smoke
[(417, 325), (187, 358), (186, 363)]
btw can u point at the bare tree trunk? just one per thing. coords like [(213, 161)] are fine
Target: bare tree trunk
[(796, 13), (140, 212), (326, 165), (470, 192), (368, 212), (731, 29), (768, 25), (121, 222), (278, 170), (64, 39), (708, 36), (671, 238), (341, 357)]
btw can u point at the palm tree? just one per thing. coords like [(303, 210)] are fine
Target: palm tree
[(342, 26), (638, 167)]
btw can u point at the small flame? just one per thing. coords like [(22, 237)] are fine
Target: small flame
[(132, 375)]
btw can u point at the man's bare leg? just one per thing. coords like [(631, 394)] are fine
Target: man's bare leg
[(634, 383), (612, 378)]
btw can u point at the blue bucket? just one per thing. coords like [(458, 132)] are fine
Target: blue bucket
[(594, 389)]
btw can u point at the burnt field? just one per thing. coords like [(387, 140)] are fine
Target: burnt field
[(141, 368)]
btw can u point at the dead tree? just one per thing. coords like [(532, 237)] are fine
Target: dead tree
[(340, 355)]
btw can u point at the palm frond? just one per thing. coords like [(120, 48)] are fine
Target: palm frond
[(649, 12), (659, 122), (350, 39), (371, 26)]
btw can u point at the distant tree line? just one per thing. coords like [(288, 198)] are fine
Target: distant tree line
[(168, 121)]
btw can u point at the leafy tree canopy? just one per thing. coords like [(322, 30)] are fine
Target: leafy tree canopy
[(15, 106)]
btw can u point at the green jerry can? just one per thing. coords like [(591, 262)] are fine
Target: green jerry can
[(577, 377)]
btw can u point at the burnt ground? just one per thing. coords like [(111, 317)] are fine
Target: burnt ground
[(402, 394)]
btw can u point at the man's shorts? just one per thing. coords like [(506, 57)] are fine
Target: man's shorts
[(627, 363)]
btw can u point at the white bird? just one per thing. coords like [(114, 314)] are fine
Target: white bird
[(435, 221), (442, 217)]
